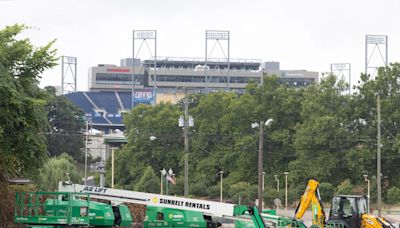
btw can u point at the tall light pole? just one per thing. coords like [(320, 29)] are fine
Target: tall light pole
[(368, 186), (220, 195), (286, 190), (144, 36), (378, 160), (261, 159), (277, 182)]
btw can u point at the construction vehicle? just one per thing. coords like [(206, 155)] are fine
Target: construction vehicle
[(73, 206), (66, 209), (168, 211), (274, 219), (347, 211)]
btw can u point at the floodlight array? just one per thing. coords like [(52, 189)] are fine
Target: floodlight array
[(217, 35), (145, 34), (376, 39), (340, 66), (71, 60)]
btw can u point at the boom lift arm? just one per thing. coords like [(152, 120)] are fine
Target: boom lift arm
[(311, 197), (117, 196)]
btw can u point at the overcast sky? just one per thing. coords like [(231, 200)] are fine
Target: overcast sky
[(308, 34)]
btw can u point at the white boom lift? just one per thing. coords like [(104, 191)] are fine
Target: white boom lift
[(117, 196)]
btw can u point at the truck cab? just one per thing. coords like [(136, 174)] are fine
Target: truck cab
[(348, 210)]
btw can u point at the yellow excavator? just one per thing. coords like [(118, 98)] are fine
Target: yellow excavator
[(347, 211)]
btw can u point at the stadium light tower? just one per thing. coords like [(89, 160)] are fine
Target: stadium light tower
[(143, 36), (378, 55), (217, 36), (68, 74), (342, 71)]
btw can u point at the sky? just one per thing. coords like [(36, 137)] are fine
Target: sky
[(308, 34)]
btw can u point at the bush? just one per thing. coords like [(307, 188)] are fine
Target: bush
[(345, 188), (149, 182), (326, 190), (200, 188), (393, 195), (244, 190), (270, 194), (55, 170)]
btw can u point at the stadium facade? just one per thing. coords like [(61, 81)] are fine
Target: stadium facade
[(110, 86)]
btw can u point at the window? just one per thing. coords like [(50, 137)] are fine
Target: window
[(160, 216), (106, 78), (99, 113), (335, 206), (122, 113), (347, 208)]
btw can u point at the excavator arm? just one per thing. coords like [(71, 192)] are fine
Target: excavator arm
[(253, 212), (311, 197), (117, 196)]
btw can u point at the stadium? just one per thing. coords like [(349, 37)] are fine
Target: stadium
[(110, 87)]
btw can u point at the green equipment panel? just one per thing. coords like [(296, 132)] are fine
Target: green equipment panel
[(167, 217), (53, 209)]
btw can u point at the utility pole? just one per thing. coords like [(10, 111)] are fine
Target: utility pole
[(378, 160), (260, 166), (185, 132), (86, 149)]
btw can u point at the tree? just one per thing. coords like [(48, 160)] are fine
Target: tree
[(148, 182), (393, 195), (55, 170), (65, 119), (322, 139), (387, 85), (22, 113), (166, 151), (345, 188), (326, 190)]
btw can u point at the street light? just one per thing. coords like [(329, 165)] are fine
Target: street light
[(152, 138), (163, 172), (260, 159), (277, 181), (263, 188), (368, 186), (220, 196), (286, 175)]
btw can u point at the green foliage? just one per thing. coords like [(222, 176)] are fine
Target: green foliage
[(55, 170), (345, 188), (322, 139), (326, 190), (140, 152), (22, 114), (393, 195), (65, 121), (318, 132), (271, 194), (243, 190), (149, 182)]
